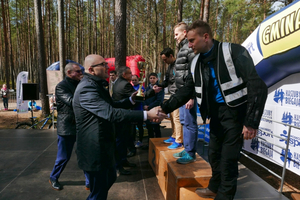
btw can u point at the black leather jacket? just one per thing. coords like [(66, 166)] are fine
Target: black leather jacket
[(184, 56), (64, 92)]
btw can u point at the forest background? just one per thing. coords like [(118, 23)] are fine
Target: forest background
[(36, 33)]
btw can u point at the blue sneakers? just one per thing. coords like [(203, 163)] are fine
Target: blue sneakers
[(186, 159), (170, 140), (179, 154), (175, 145)]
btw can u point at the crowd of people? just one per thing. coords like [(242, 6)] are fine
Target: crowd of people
[(102, 118)]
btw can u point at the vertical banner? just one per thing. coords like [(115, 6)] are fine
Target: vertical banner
[(22, 106)]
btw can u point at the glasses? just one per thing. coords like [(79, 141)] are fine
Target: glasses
[(104, 64), (78, 71)]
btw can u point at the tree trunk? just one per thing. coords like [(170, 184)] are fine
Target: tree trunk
[(120, 31), (179, 11), (95, 28), (206, 11), (49, 34), (5, 44), (61, 34), (41, 57), (201, 10), (11, 56), (78, 32)]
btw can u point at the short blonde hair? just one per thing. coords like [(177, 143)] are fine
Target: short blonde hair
[(182, 25)]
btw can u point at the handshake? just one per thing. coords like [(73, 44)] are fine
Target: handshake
[(156, 114)]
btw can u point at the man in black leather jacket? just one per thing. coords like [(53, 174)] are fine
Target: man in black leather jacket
[(230, 93), (66, 131), (95, 112)]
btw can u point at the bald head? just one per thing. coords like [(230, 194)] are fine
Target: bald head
[(92, 59), (96, 65)]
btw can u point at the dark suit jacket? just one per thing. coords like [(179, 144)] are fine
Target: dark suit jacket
[(123, 89), (95, 112)]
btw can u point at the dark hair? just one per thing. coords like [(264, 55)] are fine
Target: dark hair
[(153, 74), (135, 75), (167, 52), (201, 27), (113, 72), (122, 70)]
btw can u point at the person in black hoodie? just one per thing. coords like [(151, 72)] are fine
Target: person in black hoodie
[(150, 103), (231, 94)]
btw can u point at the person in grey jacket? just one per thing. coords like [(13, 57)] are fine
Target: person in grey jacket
[(187, 112), (66, 131), (95, 112)]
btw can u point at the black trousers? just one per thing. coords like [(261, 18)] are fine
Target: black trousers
[(226, 141), (100, 183)]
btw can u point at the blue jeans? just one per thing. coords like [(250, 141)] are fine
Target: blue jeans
[(64, 151), (100, 183), (188, 119)]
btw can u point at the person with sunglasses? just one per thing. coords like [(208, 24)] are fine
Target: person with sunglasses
[(66, 128)]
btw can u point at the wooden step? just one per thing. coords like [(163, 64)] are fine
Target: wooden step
[(295, 196), (188, 193), (196, 174), (162, 176), (157, 145)]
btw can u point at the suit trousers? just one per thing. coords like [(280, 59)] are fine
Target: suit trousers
[(65, 146), (188, 119), (101, 182), (176, 126), (225, 143)]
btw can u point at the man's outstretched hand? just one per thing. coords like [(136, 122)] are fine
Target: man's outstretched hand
[(156, 114), (157, 89)]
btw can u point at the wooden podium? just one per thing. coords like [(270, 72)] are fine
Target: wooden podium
[(175, 180)]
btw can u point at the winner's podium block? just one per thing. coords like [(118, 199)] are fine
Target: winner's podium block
[(189, 193), (171, 175), (157, 145)]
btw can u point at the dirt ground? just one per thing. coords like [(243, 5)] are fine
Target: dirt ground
[(9, 119)]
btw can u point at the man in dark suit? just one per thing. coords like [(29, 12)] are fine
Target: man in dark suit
[(95, 112), (123, 89), (66, 131)]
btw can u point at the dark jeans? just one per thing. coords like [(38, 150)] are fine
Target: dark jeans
[(64, 151), (5, 102), (188, 119), (101, 182), (226, 126), (153, 128)]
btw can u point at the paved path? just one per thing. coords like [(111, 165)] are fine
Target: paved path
[(27, 158)]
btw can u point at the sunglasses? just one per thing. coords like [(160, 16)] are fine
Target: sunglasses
[(104, 64), (78, 71)]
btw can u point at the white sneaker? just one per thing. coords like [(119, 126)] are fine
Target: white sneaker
[(138, 144)]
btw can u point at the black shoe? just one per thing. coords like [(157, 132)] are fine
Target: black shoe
[(55, 185), (128, 164), (205, 193), (123, 171), (145, 147), (130, 154)]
